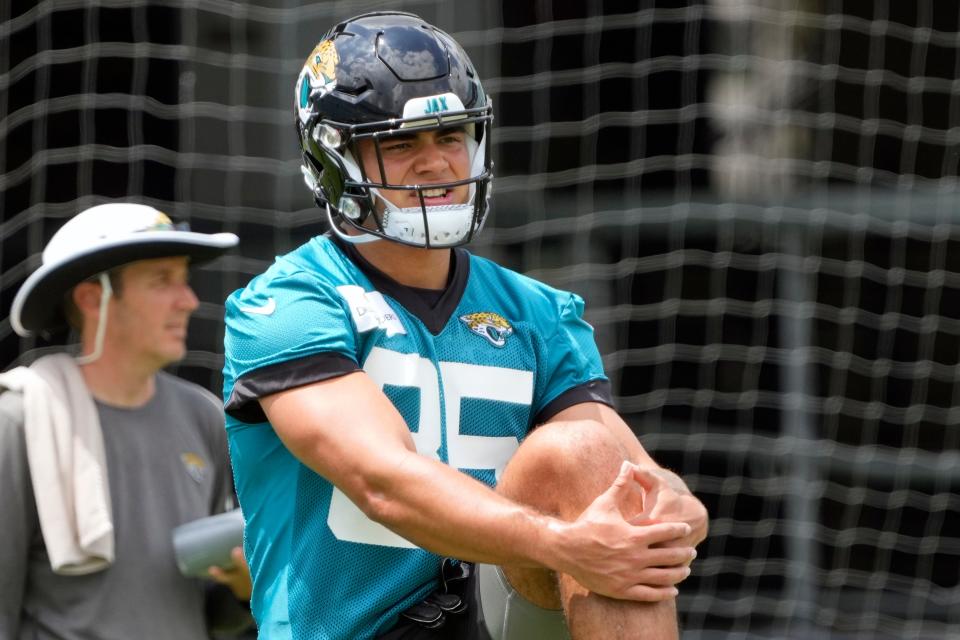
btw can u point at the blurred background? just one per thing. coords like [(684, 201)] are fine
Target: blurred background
[(757, 198)]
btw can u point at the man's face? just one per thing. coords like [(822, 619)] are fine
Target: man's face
[(424, 158), (148, 318)]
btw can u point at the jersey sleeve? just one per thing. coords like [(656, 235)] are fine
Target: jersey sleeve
[(571, 370), (283, 331)]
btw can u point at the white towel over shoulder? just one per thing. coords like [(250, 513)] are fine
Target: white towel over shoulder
[(67, 463)]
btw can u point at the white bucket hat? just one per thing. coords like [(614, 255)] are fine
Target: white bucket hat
[(97, 240)]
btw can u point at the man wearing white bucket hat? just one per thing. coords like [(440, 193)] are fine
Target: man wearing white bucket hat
[(102, 454)]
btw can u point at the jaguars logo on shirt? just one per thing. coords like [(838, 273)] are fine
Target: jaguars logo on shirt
[(489, 325), (196, 466)]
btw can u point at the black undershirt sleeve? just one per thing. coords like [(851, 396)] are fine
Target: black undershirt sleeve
[(593, 391), (243, 403)]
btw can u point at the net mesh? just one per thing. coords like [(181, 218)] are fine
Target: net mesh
[(757, 198)]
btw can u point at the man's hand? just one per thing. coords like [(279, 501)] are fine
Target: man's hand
[(615, 549), (666, 498), (236, 579)]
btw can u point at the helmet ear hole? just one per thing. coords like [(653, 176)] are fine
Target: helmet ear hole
[(328, 136), (349, 208)]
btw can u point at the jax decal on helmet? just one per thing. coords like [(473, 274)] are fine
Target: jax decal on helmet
[(380, 75)]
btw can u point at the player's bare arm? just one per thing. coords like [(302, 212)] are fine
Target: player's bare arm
[(349, 432)]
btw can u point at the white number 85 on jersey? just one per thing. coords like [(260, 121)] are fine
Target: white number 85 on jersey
[(459, 381)]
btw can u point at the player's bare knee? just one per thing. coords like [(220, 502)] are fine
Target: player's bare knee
[(569, 458)]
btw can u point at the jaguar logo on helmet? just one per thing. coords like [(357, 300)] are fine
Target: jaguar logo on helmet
[(319, 73)]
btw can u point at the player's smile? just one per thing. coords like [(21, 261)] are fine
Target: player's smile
[(436, 197)]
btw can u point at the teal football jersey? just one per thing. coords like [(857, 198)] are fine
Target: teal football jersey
[(471, 370)]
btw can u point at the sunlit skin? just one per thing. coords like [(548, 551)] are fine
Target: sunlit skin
[(422, 158), (151, 314), (146, 328), (237, 578)]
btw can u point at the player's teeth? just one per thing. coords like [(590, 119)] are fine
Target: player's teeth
[(433, 193)]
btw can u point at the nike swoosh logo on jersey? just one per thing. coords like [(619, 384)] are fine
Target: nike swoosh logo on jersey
[(263, 310)]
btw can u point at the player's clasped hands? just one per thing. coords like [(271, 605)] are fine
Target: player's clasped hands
[(622, 548)]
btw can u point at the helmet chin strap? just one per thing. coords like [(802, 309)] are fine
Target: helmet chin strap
[(105, 293), (362, 238)]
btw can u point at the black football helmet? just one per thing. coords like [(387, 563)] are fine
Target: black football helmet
[(382, 74)]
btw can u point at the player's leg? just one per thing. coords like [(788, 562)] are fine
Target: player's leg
[(560, 469)]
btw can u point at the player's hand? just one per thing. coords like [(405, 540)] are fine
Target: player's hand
[(614, 550), (237, 578), (667, 499)]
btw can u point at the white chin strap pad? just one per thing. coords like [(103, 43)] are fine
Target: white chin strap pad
[(449, 224)]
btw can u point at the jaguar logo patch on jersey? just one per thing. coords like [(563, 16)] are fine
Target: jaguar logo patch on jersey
[(196, 466), (489, 325)]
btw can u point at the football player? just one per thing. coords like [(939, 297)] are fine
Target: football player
[(423, 442)]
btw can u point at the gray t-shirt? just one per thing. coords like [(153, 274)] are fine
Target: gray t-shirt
[(167, 464)]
